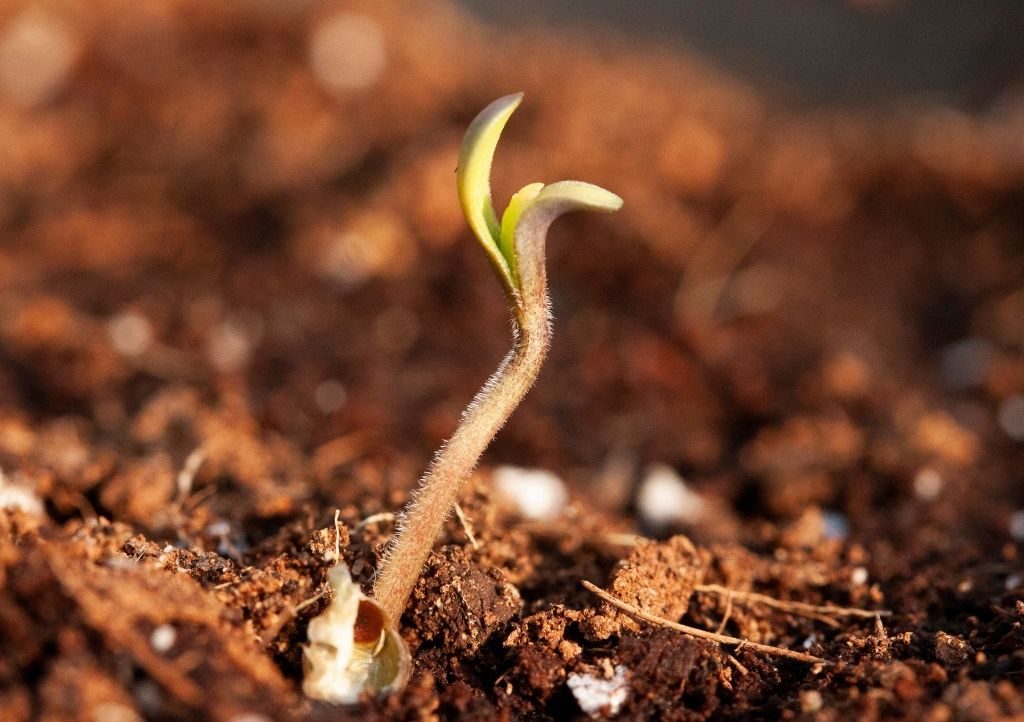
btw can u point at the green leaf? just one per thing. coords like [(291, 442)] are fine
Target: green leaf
[(534, 217), (519, 202), (473, 179), (518, 261), (579, 196)]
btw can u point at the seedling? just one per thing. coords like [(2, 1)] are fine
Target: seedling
[(515, 248)]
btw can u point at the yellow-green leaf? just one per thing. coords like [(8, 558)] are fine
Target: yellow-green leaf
[(534, 217), (473, 179), (516, 205), (579, 196)]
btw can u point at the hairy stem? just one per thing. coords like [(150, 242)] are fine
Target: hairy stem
[(439, 489)]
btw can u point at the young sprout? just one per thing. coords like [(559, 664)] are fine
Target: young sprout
[(354, 646), (515, 247)]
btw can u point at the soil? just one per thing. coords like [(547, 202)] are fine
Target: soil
[(237, 295)]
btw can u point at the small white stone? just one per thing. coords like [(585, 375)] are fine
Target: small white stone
[(928, 484), (811, 701), (37, 54), (18, 496), (1013, 581), (664, 498), (859, 576), (330, 396), (229, 347), (536, 494), (130, 332), (1011, 417), (1017, 525), (600, 697), (163, 638), (221, 527), (347, 52)]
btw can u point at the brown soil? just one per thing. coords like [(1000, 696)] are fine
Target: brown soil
[(235, 298)]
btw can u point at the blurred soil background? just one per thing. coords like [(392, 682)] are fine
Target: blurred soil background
[(237, 294)]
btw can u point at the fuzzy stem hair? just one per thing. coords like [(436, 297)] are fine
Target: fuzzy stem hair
[(421, 522), (516, 249)]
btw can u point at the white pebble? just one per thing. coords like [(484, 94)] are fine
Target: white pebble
[(221, 527), (811, 701), (664, 498), (162, 638), (1017, 525), (859, 576), (18, 496), (37, 54), (330, 396), (600, 697), (229, 347), (1013, 581), (130, 332), (928, 484), (536, 494), (347, 52), (1011, 417)]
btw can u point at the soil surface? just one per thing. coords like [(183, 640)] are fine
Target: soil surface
[(237, 295)]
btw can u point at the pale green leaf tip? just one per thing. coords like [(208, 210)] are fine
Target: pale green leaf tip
[(580, 196), (473, 179), (519, 202)]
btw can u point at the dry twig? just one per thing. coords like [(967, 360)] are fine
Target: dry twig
[(701, 633), (822, 613)]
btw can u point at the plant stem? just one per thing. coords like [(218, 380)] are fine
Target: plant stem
[(439, 489), (421, 522)]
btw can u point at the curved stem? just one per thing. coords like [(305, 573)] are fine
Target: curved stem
[(421, 522), (439, 489)]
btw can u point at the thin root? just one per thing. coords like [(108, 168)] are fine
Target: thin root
[(337, 536), (188, 472), (306, 602), (286, 615), (736, 663), (466, 526), (384, 516), (728, 613), (700, 633)]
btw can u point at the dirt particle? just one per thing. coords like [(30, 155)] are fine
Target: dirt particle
[(811, 701), (466, 605), (951, 650), (658, 577)]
